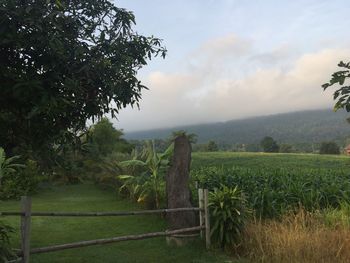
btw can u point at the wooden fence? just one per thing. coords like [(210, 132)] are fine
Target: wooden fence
[(26, 214)]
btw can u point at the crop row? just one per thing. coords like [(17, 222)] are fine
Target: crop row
[(271, 192)]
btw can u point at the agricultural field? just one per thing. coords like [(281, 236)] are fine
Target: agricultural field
[(271, 160), (277, 183), (87, 197), (299, 202)]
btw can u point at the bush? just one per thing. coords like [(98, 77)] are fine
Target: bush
[(22, 182), (212, 147), (6, 252), (228, 215), (269, 145), (329, 148), (286, 148)]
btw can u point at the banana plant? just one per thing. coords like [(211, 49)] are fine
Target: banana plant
[(8, 165), (150, 183)]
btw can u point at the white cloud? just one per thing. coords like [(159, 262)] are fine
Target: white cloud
[(219, 83)]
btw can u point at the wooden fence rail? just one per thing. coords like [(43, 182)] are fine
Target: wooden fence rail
[(26, 215), (115, 213), (113, 240)]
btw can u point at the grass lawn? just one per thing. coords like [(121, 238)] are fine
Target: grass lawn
[(269, 160), (58, 230)]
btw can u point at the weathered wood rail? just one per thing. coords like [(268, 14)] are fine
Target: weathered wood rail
[(115, 213), (26, 214)]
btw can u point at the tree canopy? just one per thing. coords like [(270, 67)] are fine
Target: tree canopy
[(269, 144), (329, 148), (105, 138), (64, 62), (212, 146)]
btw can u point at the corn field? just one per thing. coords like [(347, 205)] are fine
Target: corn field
[(273, 191)]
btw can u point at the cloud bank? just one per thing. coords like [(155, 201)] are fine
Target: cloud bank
[(227, 78)]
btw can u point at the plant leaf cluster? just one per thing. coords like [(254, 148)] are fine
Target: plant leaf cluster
[(228, 215), (342, 93)]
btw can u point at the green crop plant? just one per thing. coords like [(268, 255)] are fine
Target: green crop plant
[(273, 191), (228, 215)]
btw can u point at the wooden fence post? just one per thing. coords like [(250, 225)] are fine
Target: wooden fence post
[(207, 221), (201, 207), (26, 207)]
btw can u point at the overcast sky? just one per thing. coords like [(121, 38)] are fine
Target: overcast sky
[(232, 59)]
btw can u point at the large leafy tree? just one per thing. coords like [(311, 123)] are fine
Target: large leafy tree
[(105, 139), (212, 146), (269, 145), (63, 62), (342, 93)]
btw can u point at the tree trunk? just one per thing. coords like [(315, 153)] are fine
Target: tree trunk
[(177, 185)]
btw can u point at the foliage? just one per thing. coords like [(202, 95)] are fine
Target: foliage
[(269, 145), (340, 217), (192, 137), (272, 191), (228, 215), (285, 148), (92, 156), (212, 146), (342, 94), (329, 148), (6, 252), (8, 166), (68, 164), (63, 63), (149, 185), (160, 144), (23, 182), (106, 139), (105, 170)]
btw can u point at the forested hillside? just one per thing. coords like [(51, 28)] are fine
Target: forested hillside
[(297, 128)]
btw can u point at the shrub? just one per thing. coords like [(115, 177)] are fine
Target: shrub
[(6, 252), (269, 145), (212, 146), (228, 215), (23, 182), (8, 166), (286, 148), (329, 148)]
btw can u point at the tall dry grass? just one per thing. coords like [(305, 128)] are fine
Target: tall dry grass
[(298, 238)]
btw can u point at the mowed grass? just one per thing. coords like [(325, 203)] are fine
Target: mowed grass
[(58, 230), (271, 160)]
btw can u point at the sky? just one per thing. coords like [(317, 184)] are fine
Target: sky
[(231, 59)]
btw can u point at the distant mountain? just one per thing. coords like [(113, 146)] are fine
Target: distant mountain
[(311, 126)]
